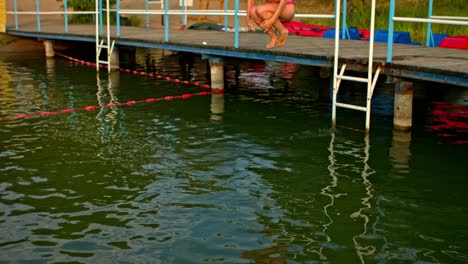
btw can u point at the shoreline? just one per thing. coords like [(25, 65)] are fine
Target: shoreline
[(17, 44), (14, 44)]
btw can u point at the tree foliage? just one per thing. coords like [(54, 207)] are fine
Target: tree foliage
[(87, 5)]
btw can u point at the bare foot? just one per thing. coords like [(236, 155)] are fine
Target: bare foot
[(273, 38), (282, 39), (272, 43)]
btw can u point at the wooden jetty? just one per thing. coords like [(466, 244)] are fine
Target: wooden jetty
[(410, 62)]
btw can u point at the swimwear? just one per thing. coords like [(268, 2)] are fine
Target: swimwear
[(290, 3)]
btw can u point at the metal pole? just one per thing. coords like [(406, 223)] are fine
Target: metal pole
[(166, 20), (182, 7), (15, 8), (65, 10), (335, 63), (38, 16), (117, 5), (236, 18), (345, 32), (147, 14), (109, 47), (97, 35), (226, 17), (390, 31), (100, 17), (429, 36), (370, 86), (108, 25), (185, 14)]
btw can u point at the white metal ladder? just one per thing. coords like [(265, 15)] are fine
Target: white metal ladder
[(103, 43), (338, 77)]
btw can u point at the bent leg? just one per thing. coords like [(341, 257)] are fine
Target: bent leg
[(258, 15), (287, 15), (266, 11), (283, 33)]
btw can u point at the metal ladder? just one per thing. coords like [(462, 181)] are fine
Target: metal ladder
[(371, 80), (103, 43)]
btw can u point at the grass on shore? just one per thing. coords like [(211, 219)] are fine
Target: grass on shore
[(6, 39), (358, 15)]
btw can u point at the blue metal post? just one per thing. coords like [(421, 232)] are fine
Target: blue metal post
[(65, 10), (38, 16), (147, 14), (117, 6), (429, 36), (182, 7), (345, 32), (390, 31), (236, 34), (15, 8), (166, 20), (100, 17), (225, 16)]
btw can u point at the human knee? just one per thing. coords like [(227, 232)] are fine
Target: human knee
[(266, 11), (254, 13), (264, 14)]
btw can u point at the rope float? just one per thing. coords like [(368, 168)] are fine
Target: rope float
[(128, 103), (135, 72), (109, 105)]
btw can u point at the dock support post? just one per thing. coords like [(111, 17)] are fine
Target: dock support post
[(49, 48), (217, 73), (403, 106), (114, 59)]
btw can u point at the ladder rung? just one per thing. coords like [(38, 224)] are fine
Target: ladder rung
[(350, 106), (351, 78), (103, 62), (103, 46)]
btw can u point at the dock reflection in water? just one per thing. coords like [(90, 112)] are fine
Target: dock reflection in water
[(111, 119), (252, 176), (349, 166)]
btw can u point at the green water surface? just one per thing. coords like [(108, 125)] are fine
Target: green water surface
[(256, 175)]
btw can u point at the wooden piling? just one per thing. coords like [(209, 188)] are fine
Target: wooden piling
[(403, 105)]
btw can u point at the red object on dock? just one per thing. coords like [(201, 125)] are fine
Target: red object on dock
[(455, 42), (364, 34), (301, 29)]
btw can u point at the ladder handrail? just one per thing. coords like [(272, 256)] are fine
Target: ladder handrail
[(447, 20), (371, 79), (109, 46), (97, 34)]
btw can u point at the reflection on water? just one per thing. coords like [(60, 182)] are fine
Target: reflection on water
[(400, 151), (365, 251), (254, 175), (450, 121), (50, 66), (217, 107), (449, 115), (111, 119), (340, 151)]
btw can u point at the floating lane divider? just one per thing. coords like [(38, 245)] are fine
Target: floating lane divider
[(135, 72), (128, 103), (94, 107)]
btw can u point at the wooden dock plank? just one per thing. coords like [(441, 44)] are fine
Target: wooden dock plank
[(450, 62)]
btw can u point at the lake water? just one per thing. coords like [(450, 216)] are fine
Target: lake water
[(254, 175)]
